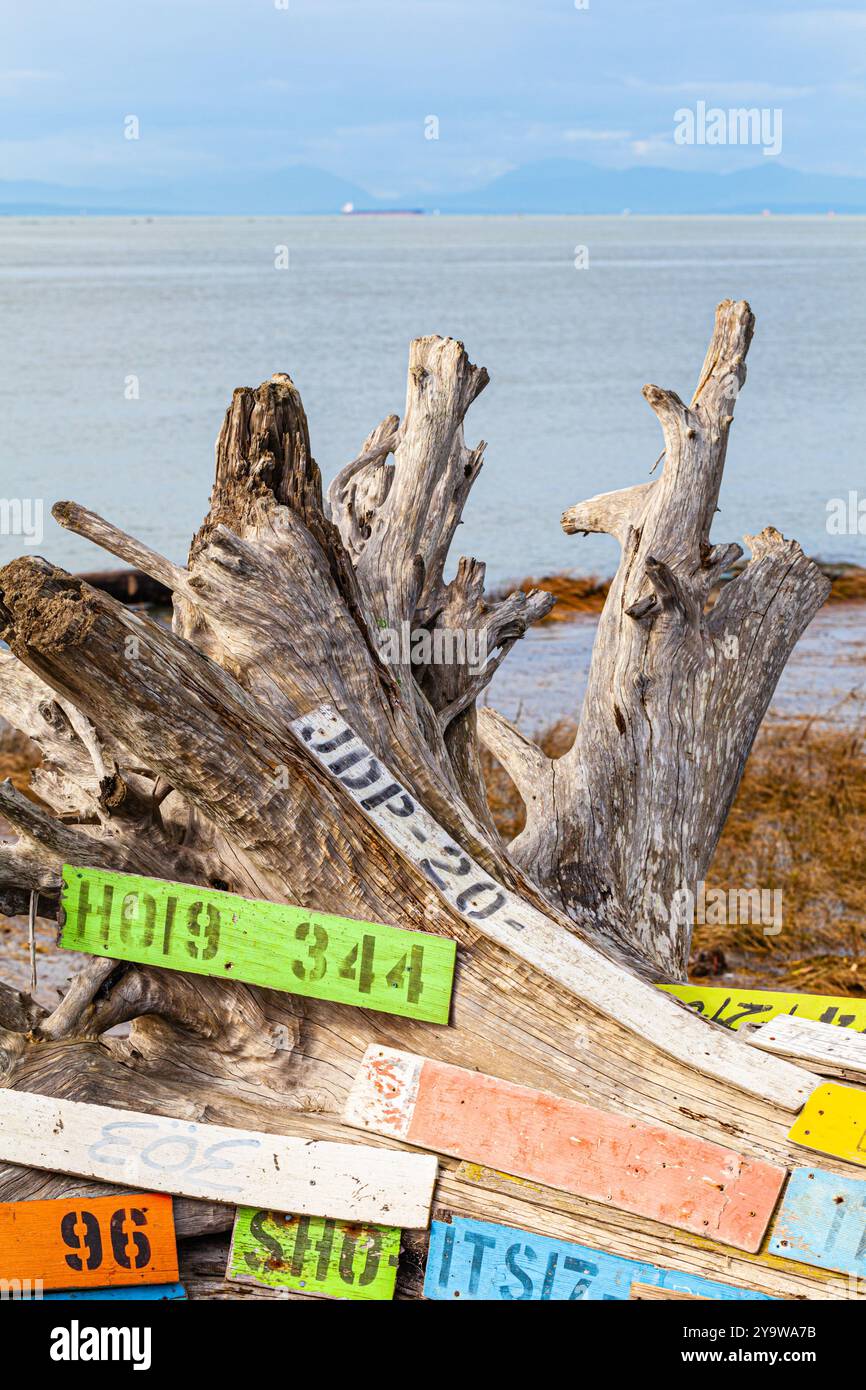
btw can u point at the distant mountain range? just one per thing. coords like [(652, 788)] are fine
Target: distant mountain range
[(566, 186), (548, 186)]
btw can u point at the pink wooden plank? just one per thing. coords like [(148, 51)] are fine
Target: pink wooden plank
[(647, 1169)]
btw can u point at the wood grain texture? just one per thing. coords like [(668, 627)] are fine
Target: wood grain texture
[(652, 1171), (822, 1221), (830, 1050), (314, 1255), (354, 1182), (734, 1007), (203, 931), (499, 914), (833, 1121), (478, 1260), (652, 1293), (94, 1243), (649, 1293)]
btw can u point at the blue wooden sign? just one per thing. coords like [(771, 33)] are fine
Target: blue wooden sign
[(476, 1260), (159, 1291), (822, 1221)]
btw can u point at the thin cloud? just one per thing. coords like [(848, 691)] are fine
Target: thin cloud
[(22, 77), (714, 90), (591, 135)]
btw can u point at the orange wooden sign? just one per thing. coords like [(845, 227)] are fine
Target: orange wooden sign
[(643, 1168), (89, 1242)]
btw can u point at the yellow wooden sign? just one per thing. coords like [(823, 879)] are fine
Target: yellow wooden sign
[(833, 1121), (733, 1007)]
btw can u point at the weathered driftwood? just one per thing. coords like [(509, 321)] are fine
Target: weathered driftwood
[(819, 1046), (173, 753), (631, 814)]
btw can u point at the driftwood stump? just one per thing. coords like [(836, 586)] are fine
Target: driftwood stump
[(176, 754)]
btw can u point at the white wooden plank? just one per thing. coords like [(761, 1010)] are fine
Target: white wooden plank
[(351, 1182), (827, 1049), (505, 918)]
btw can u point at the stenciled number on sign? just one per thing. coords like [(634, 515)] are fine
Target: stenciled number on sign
[(752, 1009), (479, 898), (737, 1007), (369, 1242), (82, 1233), (358, 964), (138, 924), (481, 1244), (138, 921), (314, 1255), (167, 1153)]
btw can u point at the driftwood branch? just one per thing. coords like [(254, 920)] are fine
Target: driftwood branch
[(677, 688)]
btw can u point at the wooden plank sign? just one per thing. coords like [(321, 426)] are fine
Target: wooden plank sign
[(91, 1242), (503, 917), (206, 932), (822, 1221), (314, 1255), (646, 1169), (834, 1051), (475, 1260), (833, 1121), (165, 1293), (652, 1293), (733, 1007), (313, 1177)]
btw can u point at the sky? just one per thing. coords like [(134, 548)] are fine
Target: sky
[(348, 86)]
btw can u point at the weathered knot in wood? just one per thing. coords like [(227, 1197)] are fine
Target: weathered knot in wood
[(643, 607), (54, 716), (43, 607), (113, 792)]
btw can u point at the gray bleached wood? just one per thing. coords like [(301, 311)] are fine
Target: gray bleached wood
[(823, 1048), (676, 690)]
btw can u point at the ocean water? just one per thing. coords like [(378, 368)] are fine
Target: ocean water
[(193, 307)]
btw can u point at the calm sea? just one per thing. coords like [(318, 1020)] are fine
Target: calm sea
[(191, 308)]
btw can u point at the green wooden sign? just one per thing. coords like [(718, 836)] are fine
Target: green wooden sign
[(314, 1255), (206, 932)]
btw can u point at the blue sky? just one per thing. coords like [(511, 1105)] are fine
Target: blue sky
[(345, 85)]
